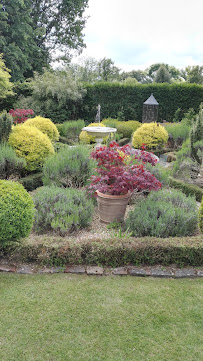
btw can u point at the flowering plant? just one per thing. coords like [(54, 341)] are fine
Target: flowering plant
[(20, 115), (119, 171)]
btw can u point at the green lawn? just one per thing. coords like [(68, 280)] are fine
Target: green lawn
[(79, 318)]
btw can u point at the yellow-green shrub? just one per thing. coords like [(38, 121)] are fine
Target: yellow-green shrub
[(16, 211), (31, 144), (110, 122), (85, 138), (127, 128), (45, 125), (201, 217), (152, 135)]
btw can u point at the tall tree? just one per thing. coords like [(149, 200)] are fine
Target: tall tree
[(162, 75), (5, 84), (107, 70), (32, 30), (194, 74)]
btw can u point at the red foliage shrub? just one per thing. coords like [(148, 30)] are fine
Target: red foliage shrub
[(118, 173), (20, 115)]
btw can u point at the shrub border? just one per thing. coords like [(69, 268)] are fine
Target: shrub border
[(188, 189), (147, 251)]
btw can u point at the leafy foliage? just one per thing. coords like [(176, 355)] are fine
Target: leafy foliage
[(180, 130), (20, 115), (5, 84), (45, 125), (31, 30), (71, 129), (61, 210), (116, 96), (6, 121), (10, 164), (162, 75), (117, 172), (55, 95), (16, 211), (163, 214), (31, 144), (153, 135), (70, 167)]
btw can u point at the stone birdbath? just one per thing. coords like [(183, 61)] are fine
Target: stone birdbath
[(99, 133)]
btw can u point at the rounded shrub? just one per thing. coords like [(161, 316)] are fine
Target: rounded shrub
[(45, 125), (201, 217), (31, 144), (70, 167), (85, 138), (127, 128), (10, 164), (16, 211), (61, 210), (163, 214), (153, 135)]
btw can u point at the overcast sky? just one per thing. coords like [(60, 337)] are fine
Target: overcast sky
[(138, 33)]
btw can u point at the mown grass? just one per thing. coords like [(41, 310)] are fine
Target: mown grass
[(79, 318)]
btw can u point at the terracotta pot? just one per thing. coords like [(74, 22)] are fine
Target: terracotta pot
[(112, 208)]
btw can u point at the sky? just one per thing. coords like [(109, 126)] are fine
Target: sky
[(138, 33)]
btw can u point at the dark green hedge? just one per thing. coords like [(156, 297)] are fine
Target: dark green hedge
[(188, 189), (32, 181), (115, 97), (186, 251)]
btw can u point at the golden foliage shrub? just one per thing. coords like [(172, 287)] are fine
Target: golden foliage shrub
[(31, 144), (45, 125), (153, 135)]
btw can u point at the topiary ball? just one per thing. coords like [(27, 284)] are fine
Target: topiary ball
[(85, 138), (45, 125), (16, 211), (31, 144), (152, 135)]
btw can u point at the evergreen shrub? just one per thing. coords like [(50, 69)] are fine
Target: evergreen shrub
[(16, 211), (163, 214), (61, 210), (31, 144), (45, 125), (71, 129), (152, 135), (127, 128), (6, 122), (10, 164), (180, 130), (130, 98), (70, 167)]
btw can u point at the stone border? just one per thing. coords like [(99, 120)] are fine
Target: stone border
[(156, 271)]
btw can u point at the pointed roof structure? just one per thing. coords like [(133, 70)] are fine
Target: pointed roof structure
[(151, 100)]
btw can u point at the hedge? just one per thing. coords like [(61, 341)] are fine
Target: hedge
[(188, 189), (182, 252), (129, 99)]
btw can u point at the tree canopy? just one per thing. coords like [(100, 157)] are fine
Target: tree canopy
[(32, 31), (5, 84)]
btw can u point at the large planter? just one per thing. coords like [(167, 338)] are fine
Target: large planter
[(112, 208)]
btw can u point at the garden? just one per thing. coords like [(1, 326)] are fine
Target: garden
[(134, 201)]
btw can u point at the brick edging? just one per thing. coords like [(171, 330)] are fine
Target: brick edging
[(156, 271)]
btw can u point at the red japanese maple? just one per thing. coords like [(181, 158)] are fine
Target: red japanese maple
[(120, 171), (20, 115)]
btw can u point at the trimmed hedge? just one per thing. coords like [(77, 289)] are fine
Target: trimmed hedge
[(188, 189), (182, 252), (116, 97)]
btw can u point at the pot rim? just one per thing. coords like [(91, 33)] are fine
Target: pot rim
[(113, 196)]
